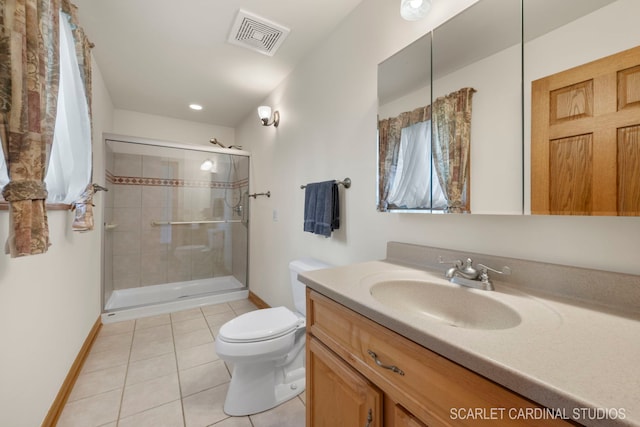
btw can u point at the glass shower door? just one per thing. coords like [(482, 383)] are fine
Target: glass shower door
[(175, 223)]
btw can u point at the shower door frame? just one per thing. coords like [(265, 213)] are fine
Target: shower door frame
[(164, 144)]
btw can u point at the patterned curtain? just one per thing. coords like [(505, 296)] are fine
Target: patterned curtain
[(29, 76), (389, 131), (451, 145)]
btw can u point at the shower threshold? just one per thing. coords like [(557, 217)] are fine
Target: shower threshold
[(127, 304)]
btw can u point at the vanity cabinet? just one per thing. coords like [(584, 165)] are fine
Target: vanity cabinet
[(341, 396), (355, 365)]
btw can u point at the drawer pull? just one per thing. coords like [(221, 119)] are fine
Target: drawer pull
[(369, 419), (392, 368)]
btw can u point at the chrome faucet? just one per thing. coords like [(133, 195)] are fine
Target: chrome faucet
[(468, 271), (465, 274)]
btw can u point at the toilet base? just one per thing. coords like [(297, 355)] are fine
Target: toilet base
[(257, 387)]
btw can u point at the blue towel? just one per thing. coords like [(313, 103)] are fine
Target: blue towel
[(321, 208)]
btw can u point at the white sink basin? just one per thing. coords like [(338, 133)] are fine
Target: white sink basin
[(451, 304), (419, 298)]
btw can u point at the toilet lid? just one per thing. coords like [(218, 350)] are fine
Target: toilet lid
[(260, 325)]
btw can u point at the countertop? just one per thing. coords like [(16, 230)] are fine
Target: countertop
[(578, 359)]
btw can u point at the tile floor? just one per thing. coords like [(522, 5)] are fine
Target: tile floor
[(162, 371)]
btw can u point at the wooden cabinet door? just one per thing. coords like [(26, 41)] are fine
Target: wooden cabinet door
[(585, 139), (402, 418), (337, 395)]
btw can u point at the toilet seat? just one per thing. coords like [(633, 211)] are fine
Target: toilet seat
[(260, 325)]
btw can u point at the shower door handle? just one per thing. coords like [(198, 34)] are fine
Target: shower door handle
[(222, 221)]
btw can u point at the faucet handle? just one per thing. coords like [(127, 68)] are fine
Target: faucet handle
[(456, 262), (506, 271)]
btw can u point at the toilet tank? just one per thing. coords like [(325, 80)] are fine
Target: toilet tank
[(298, 288)]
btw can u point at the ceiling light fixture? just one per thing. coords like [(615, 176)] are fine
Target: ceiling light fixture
[(196, 107), (209, 165), (264, 112), (413, 10)]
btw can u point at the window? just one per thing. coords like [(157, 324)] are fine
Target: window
[(415, 184)]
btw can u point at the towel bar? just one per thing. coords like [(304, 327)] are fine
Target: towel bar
[(255, 195), (346, 182)]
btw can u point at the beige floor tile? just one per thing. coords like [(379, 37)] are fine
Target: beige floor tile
[(153, 385), (97, 360), (242, 310), (190, 325), (209, 310), (149, 369), (195, 338), (205, 408), (92, 411), (112, 342), (149, 394), (289, 414), (242, 304), (199, 378), (180, 316), (98, 382), (215, 321), (229, 366), (151, 349), (151, 321), (234, 422), (194, 356), (168, 415), (154, 333), (117, 327)]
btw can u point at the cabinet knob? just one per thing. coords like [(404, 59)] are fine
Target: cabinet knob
[(392, 368)]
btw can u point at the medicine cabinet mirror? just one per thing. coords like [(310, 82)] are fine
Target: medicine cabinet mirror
[(496, 48)]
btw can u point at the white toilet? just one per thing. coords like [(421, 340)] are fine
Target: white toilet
[(266, 348)]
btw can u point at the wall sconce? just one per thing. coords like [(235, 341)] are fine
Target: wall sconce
[(264, 112), (413, 10)]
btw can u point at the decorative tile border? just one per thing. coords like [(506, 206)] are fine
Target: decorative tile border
[(165, 182)]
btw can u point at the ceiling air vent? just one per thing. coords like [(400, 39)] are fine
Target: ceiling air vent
[(257, 33)]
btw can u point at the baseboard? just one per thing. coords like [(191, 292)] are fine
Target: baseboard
[(61, 399), (257, 301)]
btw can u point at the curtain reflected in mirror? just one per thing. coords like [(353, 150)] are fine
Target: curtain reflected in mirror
[(452, 145), (425, 166)]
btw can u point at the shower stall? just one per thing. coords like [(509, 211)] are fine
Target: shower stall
[(175, 227)]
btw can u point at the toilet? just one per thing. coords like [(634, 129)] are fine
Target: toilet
[(266, 348)]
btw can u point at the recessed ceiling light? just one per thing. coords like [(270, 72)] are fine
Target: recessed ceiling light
[(195, 107)]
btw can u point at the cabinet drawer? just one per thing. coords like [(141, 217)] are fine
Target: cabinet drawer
[(437, 391)]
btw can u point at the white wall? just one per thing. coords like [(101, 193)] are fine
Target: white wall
[(132, 123), (328, 111), (49, 302)]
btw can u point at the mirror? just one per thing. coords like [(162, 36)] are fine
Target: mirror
[(479, 77), (481, 48), (404, 89), (478, 48), (571, 178)]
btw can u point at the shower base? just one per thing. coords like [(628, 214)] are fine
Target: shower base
[(134, 303)]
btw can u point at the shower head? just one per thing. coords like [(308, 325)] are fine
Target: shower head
[(216, 142)]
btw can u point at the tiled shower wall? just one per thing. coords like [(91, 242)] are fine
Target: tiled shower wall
[(146, 188)]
